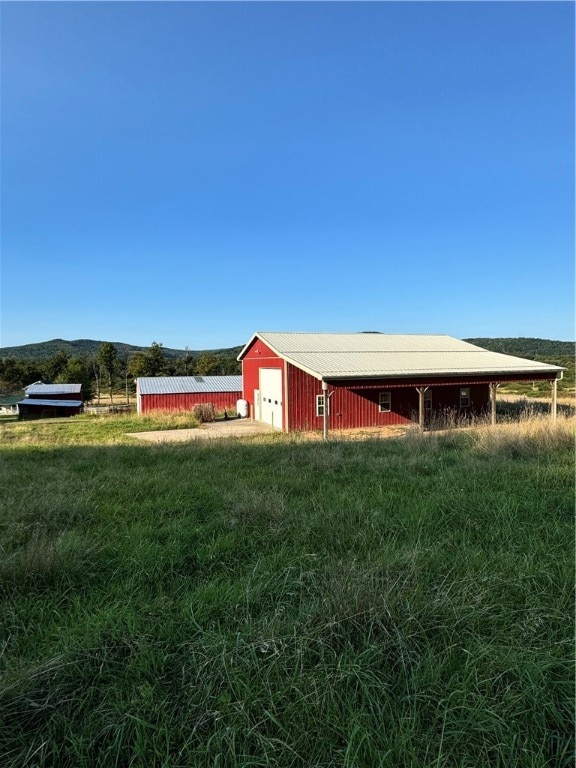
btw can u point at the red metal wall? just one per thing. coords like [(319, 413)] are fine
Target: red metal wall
[(47, 411), (186, 402), (356, 406), (260, 356), (58, 396)]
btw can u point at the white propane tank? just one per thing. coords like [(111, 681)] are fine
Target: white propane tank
[(242, 408)]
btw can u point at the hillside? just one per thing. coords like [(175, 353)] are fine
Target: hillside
[(522, 347), (44, 350), (526, 347)]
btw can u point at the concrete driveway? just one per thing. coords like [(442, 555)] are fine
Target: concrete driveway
[(210, 431)]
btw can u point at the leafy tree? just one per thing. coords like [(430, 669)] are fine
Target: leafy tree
[(137, 365), (78, 371), (16, 374), (108, 359), (155, 360), (149, 363), (55, 366), (229, 366), (207, 364)]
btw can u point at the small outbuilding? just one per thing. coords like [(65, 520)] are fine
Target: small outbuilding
[(182, 393), (36, 408), (50, 400), (312, 381), (41, 391)]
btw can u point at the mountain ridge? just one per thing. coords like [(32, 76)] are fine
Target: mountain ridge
[(44, 350), (521, 346)]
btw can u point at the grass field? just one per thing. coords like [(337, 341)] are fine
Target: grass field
[(278, 602)]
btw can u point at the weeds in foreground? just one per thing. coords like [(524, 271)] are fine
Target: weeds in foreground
[(399, 603)]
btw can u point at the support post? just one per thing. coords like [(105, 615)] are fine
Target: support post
[(326, 406), (421, 392), (493, 388), (554, 404)]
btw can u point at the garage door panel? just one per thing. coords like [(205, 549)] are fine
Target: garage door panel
[(271, 396)]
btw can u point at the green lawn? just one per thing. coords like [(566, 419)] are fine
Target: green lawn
[(278, 602)]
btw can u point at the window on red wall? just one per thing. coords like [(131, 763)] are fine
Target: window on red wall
[(320, 405), (385, 401), (464, 397)]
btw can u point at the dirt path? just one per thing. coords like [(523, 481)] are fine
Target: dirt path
[(213, 431)]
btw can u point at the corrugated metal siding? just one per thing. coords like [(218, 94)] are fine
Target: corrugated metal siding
[(48, 409), (373, 354), (349, 408), (187, 401), (439, 381), (286, 343), (36, 402), (259, 355), (172, 385), (373, 364), (353, 407), (53, 391)]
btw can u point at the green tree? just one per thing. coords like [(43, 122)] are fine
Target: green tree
[(108, 359), (55, 366), (78, 371), (137, 365), (207, 364), (155, 360)]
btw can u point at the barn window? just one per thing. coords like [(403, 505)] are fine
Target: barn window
[(385, 401), (464, 397), (428, 400), (320, 405)]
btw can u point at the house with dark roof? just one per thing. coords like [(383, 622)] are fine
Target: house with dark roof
[(312, 381)]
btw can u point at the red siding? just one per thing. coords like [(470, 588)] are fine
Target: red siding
[(57, 396), (356, 405), (186, 402), (260, 356)]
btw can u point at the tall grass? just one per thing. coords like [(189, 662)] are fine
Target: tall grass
[(402, 602)]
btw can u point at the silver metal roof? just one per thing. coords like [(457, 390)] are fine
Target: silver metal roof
[(180, 385), (57, 403), (375, 355), (53, 389)]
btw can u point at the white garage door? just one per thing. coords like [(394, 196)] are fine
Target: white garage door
[(271, 396)]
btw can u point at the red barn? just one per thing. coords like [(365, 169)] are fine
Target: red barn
[(50, 400), (182, 393), (374, 379), (41, 391)]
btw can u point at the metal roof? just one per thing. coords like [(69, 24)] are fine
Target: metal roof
[(52, 389), (181, 385), (376, 355), (55, 403)]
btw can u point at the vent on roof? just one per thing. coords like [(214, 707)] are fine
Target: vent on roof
[(199, 379)]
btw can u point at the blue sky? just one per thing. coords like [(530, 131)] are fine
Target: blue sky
[(190, 172)]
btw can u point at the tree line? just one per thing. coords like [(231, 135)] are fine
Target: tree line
[(111, 371)]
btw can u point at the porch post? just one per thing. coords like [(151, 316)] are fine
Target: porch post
[(421, 391), (493, 388), (326, 405), (554, 404)]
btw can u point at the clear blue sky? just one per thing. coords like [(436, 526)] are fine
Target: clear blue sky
[(190, 173)]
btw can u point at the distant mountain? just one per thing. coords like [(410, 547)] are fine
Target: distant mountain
[(89, 348), (527, 347)]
